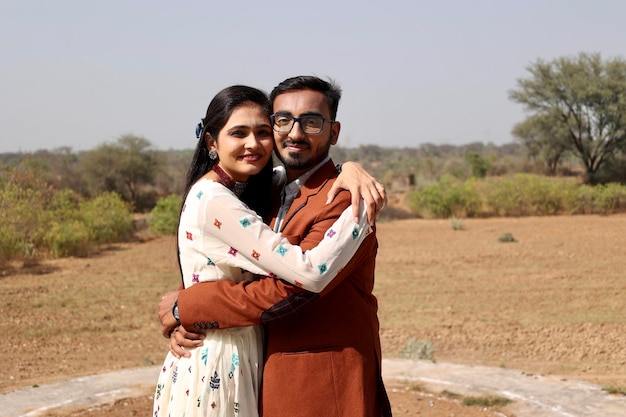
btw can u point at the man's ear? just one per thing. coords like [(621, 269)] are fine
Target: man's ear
[(334, 132)]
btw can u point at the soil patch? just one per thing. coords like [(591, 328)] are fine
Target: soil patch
[(553, 301)]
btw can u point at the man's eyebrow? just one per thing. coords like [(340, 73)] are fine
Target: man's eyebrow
[(307, 113)]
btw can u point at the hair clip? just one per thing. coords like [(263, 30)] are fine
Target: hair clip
[(199, 128)]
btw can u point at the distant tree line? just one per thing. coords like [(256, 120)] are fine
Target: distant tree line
[(569, 156)]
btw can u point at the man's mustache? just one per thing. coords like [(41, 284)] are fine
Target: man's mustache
[(301, 143)]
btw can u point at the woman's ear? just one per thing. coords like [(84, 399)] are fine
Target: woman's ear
[(210, 142)]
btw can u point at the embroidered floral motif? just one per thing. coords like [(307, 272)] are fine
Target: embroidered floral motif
[(281, 250), (234, 362), (232, 251), (209, 261), (236, 408), (355, 233), (195, 278), (217, 224), (204, 356), (297, 284), (215, 381), (189, 235), (175, 375), (256, 255), (272, 275), (331, 233), (245, 222), (159, 389), (200, 194), (322, 268)]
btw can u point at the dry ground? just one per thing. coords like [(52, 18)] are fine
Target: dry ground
[(553, 302)]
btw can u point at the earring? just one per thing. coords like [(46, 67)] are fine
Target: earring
[(213, 154)]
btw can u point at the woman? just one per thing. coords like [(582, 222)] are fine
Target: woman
[(219, 237)]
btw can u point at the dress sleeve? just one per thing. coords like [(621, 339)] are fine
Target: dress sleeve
[(251, 245)]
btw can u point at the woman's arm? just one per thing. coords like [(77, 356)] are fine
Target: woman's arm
[(250, 244), (362, 185)]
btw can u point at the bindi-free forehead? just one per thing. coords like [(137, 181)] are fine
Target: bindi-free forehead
[(247, 116), (301, 102)]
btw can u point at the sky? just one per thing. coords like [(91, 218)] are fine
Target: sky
[(81, 73)]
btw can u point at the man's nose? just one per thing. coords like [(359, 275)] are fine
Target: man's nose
[(296, 131)]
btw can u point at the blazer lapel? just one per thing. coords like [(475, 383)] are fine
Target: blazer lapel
[(311, 188)]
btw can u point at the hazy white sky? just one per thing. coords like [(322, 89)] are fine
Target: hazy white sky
[(79, 73)]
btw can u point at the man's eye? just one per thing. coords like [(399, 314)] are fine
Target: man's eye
[(312, 121), (283, 121)]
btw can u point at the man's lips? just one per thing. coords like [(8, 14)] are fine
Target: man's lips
[(296, 146)]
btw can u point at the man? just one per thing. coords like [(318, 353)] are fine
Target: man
[(323, 353)]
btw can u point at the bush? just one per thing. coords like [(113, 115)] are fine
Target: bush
[(165, 214), (23, 220), (77, 226), (518, 195), (527, 195), (610, 198), (69, 238), (108, 218), (446, 198)]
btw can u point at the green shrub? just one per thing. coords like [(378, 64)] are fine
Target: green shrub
[(108, 218), (609, 198), (446, 198), (164, 216), (11, 246), (23, 220), (527, 195), (70, 238), (598, 199)]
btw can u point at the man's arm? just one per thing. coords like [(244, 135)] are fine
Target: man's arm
[(223, 304)]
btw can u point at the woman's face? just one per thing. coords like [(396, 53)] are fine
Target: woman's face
[(245, 143)]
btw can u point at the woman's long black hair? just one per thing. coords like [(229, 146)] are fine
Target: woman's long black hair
[(219, 111)]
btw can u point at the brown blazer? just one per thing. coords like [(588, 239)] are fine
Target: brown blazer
[(323, 351)]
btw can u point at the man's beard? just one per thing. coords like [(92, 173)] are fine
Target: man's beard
[(295, 160)]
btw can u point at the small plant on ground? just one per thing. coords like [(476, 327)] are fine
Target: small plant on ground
[(615, 390), (456, 223), (450, 394), (419, 349), (507, 237), (486, 401)]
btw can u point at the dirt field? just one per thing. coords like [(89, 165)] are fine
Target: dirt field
[(553, 302)]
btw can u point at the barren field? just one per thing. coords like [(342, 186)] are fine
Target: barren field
[(553, 301)]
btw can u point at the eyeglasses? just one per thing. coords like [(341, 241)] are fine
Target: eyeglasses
[(312, 125)]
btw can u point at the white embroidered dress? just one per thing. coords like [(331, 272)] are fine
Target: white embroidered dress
[(220, 238)]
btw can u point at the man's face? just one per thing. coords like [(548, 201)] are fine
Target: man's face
[(300, 151)]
